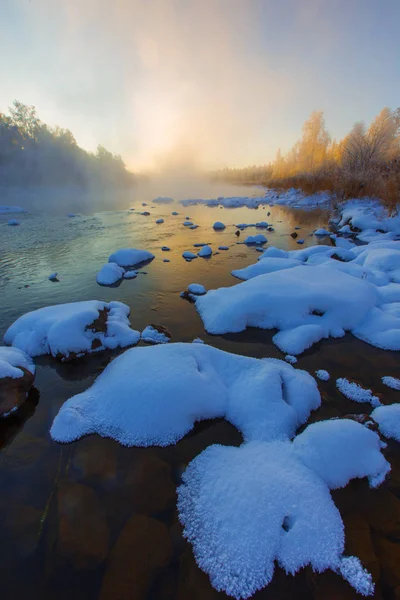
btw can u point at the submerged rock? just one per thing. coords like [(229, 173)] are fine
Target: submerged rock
[(82, 528), (141, 551)]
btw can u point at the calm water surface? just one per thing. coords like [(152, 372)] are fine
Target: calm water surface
[(94, 520)]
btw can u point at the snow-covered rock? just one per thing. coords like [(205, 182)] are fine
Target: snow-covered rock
[(53, 277), (13, 222), (69, 330), (187, 223), (391, 382), (375, 264), (13, 361), (205, 251), (218, 225), (109, 274), (291, 359), (265, 399), (354, 391), (159, 221), (188, 255), (165, 248), (130, 257), (223, 247), (259, 238), (197, 341), (388, 419), (155, 334), (322, 232), (245, 509), (305, 303), (130, 274), (197, 289), (322, 375), (17, 373)]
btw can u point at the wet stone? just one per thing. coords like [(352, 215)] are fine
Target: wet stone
[(140, 555), (82, 528)]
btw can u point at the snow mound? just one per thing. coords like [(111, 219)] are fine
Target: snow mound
[(256, 239), (130, 274), (109, 274), (265, 399), (197, 341), (322, 232), (187, 223), (291, 359), (391, 382), (13, 222), (266, 265), (205, 252), (223, 247), (74, 328), (322, 375), (197, 289), (11, 361), (388, 419), (243, 509), (130, 257), (354, 391), (159, 221), (305, 303), (218, 225), (151, 335), (189, 255), (53, 277)]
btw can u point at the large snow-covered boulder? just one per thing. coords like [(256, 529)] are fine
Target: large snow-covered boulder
[(71, 330), (305, 303), (17, 373), (245, 509), (130, 257), (265, 399)]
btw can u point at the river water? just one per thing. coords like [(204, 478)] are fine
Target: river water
[(94, 520)]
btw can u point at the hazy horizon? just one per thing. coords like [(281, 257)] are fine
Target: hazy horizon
[(202, 83)]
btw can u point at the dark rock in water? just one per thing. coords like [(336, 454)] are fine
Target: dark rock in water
[(237, 232), (145, 213), (268, 214), (294, 235), (150, 486), (187, 296), (95, 459), (144, 203), (143, 549), (388, 553), (82, 527), (364, 419), (338, 257), (270, 228), (13, 391)]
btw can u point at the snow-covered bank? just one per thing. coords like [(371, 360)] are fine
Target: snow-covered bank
[(69, 330), (194, 382)]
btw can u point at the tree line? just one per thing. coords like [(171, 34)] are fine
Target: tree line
[(365, 163), (33, 153)]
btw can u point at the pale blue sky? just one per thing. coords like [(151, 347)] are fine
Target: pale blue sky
[(216, 82)]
